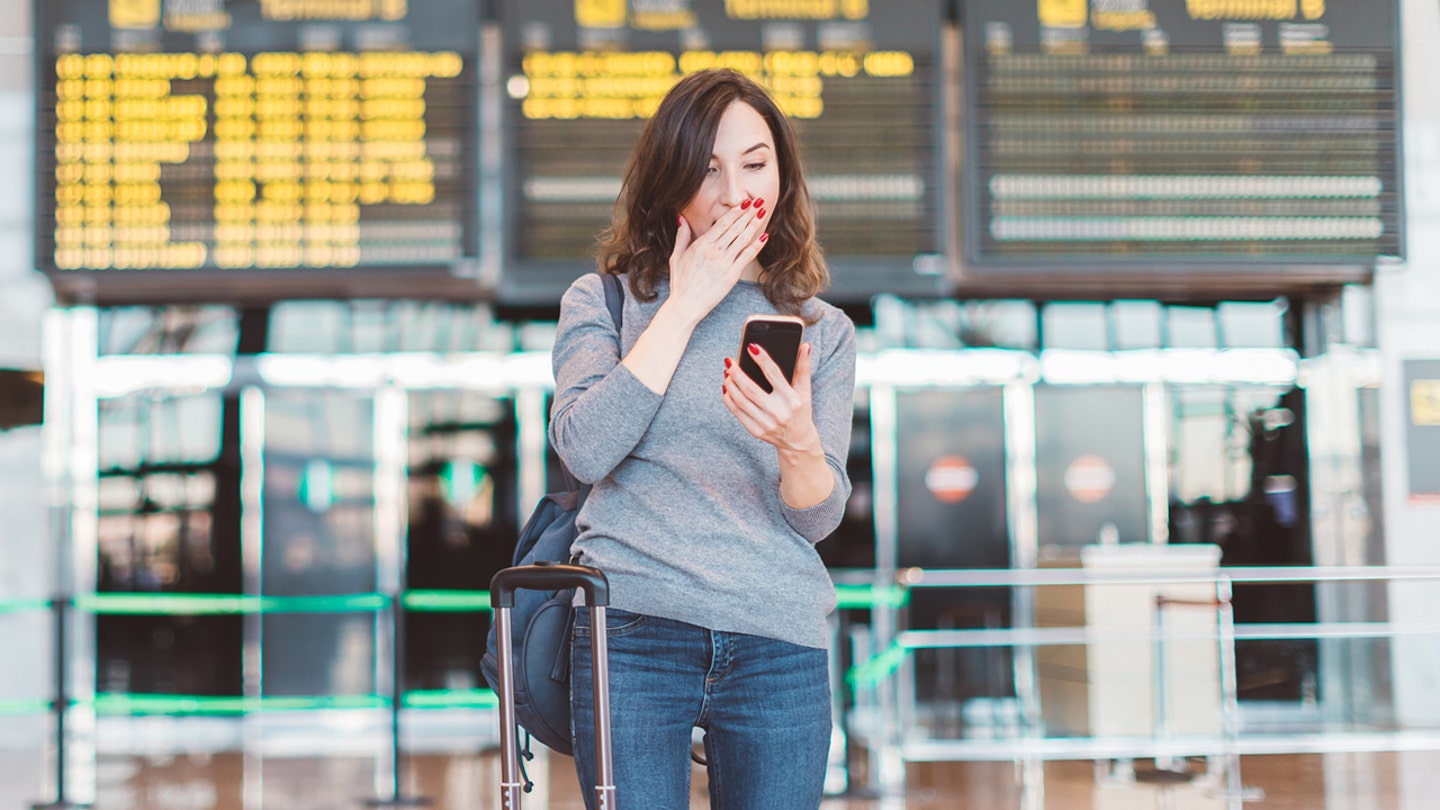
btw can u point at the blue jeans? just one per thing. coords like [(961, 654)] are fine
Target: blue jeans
[(764, 706)]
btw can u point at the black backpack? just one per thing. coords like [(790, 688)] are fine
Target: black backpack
[(542, 620)]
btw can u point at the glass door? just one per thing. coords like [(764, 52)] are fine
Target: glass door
[(317, 555)]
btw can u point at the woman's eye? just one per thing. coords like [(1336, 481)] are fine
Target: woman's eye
[(711, 170), (755, 167)]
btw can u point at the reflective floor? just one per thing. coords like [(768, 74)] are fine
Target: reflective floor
[(1383, 781)]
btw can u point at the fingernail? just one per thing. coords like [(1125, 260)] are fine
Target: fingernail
[(744, 205), (679, 220), (760, 214), (764, 236), (759, 202), (724, 390), (754, 349), (727, 362)]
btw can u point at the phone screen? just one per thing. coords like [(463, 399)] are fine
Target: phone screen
[(779, 336)]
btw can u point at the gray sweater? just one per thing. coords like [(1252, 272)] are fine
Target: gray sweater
[(686, 518)]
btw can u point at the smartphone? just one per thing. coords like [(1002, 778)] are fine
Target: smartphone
[(779, 336)]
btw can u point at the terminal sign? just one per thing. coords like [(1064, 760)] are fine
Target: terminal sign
[(223, 140), (860, 82), (1132, 137)]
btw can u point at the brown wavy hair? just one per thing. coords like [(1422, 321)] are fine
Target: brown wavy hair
[(665, 172)]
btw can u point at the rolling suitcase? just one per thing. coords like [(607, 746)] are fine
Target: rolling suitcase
[(551, 577)]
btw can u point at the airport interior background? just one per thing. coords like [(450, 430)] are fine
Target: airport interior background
[(1146, 437)]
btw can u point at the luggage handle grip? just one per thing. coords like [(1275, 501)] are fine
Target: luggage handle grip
[(549, 577)]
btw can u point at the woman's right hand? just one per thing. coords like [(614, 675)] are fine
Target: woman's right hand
[(703, 270)]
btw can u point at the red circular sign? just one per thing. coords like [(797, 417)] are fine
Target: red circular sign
[(951, 479), (1089, 478)]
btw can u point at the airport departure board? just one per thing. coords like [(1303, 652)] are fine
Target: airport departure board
[(859, 79), (1175, 137), (265, 149)]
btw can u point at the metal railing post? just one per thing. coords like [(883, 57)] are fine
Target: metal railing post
[(59, 707), (1234, 791)]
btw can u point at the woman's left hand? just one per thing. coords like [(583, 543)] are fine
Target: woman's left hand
[(781, 417)]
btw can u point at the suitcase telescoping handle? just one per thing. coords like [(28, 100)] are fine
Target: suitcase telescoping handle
[(552, 577), (549, 577)]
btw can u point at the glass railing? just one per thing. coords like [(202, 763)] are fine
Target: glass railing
[(849, 595), (1121, 665)]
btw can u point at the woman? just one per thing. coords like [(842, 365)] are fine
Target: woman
[(709, 493)]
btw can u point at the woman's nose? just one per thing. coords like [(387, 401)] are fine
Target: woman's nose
[(734, 192)]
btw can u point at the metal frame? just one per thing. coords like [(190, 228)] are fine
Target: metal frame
[(252, 551), (71, 464)]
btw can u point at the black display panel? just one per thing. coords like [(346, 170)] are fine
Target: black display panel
[(859, 80), (234, 150), (1090, 465), (1159, 139)]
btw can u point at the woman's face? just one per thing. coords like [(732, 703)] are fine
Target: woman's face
[(743, 167)]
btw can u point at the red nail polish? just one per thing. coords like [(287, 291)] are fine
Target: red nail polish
[(744, 205), (760, 214), (723, 390), (727, 362), (759, 202), (764, 236), (679, 220), (754, 349)]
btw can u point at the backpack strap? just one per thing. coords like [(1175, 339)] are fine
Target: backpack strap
[(614, 299)]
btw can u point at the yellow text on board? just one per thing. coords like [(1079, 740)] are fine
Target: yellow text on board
[(301, 142), (1425, 402), (797, 9), (1255, 9), (600, 13), (134, 13), (1063, 13), (590, 84), (333, 9)]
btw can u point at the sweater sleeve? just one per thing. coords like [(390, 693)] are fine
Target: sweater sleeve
[(832, 402), (601, 409)]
